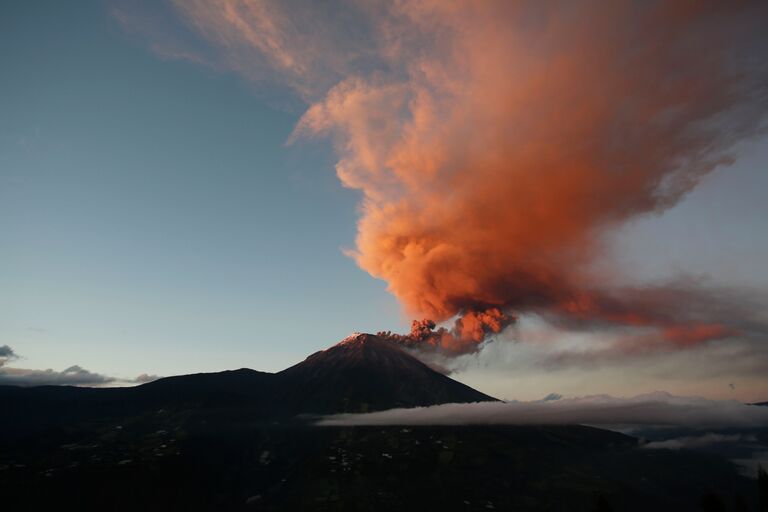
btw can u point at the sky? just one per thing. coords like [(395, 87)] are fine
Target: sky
[(181, 186)]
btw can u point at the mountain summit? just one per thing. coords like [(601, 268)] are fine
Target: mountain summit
[(364, 373)]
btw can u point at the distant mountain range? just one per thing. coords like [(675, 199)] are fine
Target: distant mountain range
[(361, 373)]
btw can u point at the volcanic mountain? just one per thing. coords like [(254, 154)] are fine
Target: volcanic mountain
[(365, 373), (361, 373)]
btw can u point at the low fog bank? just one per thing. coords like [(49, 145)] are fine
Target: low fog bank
[(654, 409)]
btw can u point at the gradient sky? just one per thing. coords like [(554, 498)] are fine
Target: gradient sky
[(154, 220)]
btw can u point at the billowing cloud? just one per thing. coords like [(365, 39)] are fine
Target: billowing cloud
[(497, 143), (657, 409), (521, 133)]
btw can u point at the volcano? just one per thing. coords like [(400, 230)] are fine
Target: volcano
[(361, 373), (366, 373)]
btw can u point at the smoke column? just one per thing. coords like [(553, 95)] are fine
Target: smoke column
[(495, 143)]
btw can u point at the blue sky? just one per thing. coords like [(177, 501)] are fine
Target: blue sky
[(154, 220)]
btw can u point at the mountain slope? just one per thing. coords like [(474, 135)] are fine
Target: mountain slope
[(365, 373), (38, 408), (201, 389)]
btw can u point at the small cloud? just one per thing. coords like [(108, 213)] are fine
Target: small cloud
[(144, 378), (6, 354)]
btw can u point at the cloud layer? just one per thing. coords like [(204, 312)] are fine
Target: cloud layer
[(708, 439), (656, 409)]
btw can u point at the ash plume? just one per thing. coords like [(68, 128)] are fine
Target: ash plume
[(467, 335), (496, 143)]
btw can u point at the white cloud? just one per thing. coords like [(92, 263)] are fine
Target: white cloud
[(658, 409)]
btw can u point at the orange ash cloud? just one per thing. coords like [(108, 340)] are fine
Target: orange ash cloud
[(521, 135), (496, 142)]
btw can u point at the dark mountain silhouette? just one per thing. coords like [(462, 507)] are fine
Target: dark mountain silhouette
[(361, 373), (209, 389), (240, 440)]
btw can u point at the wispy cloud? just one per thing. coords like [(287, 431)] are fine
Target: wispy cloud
[(304, 48)]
